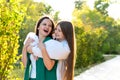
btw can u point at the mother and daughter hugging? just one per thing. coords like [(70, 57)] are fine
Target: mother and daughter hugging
[(48, 54)]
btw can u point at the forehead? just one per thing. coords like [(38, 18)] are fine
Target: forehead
[(47, 21), (58, 27)]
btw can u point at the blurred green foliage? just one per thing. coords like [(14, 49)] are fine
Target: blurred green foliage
[(11, 17), (96, 33)]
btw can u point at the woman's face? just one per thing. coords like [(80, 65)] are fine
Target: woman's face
[(45, 27), (59, 34)]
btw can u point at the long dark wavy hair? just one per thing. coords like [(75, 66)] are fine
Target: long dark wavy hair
[(38, 24), (68, 32)]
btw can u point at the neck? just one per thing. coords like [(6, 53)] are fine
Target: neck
[(61, 40), (41, 37)]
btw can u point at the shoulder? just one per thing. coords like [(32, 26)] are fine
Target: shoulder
[(32, 35), (47, 39), (52, 41), (65, 44)]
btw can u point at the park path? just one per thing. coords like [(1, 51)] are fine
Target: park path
[(108, 70)]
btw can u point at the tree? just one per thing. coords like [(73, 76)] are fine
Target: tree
[(78, 4), (56, 18), (34, 11), (89, 36), (11, 17), (101, 6), (111, 43), (96, 33)]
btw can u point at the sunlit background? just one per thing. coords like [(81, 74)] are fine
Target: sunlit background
[(66, 7), (97, 31)]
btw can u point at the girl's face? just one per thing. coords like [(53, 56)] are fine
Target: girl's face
[(45, 27), (59, 34)]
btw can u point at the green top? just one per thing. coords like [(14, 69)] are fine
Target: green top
[(41, 71)]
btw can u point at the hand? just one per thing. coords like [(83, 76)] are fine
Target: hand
[(29, 49), (35, 57), (29, 40)]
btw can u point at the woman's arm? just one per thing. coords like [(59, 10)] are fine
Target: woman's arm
[(49, 63), (57, 50), (26, 48), (24, 55)]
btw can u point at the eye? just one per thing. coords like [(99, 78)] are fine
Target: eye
[(50, 25), (59, 30), (44, 24), (56, 29)]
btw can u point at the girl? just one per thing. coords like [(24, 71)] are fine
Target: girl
[(44, 30)]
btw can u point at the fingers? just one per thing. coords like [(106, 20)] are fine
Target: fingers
[(29, 49), (29, 40), (35, 57)]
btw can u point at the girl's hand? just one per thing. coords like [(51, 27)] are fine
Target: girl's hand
[(28, 46), (35, 57), (28, 42), (29, 49)]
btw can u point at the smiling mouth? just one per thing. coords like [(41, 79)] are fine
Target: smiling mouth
[(46, 31)]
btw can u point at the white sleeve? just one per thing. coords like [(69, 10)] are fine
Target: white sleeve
[(36, 51), (32, 36), (55, 50)]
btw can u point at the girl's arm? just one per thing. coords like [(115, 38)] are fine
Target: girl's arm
[(57, 50), (24, 55), (49, 63), (24, 51)]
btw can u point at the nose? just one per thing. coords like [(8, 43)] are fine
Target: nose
[(47, 26)]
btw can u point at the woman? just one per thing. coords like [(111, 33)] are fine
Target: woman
[(64, 32), (44, 29)]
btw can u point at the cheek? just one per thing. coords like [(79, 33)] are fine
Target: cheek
[(39, 28), (50, 29), (62, 36)]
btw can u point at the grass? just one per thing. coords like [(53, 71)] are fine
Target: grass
[(107, 57), (79, 70), (17, 74)]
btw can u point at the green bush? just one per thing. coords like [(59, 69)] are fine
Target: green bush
[(10, 21), (17, 73), (88, 46)]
